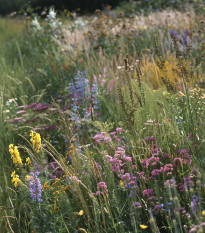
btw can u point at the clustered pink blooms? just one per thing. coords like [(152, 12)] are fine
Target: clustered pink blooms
[(181, 187), (152, 198), (119, 130), (116, 162), (145, 162), (126, 177), (147, 192), (101, 137), (167, 156), (186, 159), (188, 182), (102, 189), (155, 151), (156, 172), (177, 162), (110, 84), (137, 205), (141, 174), (167, 169)]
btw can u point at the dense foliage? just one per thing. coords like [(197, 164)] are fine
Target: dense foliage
[(102, 122)]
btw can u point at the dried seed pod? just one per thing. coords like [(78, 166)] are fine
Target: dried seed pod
[(97, 11), (201, 21)]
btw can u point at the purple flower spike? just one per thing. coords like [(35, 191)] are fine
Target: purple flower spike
[(35, 187)]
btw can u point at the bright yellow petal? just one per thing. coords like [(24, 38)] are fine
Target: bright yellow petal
[(81, 212), (143, 226)]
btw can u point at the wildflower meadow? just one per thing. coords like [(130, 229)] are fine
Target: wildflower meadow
[(102, 119)]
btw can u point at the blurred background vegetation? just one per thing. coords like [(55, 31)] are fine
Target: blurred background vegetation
[(89, 6)]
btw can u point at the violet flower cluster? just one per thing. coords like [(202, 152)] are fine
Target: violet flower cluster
[(35, 186)]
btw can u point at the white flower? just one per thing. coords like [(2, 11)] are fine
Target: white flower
[(36, 24), (79, 22), (55, 24), (5, 111), (51, 15)]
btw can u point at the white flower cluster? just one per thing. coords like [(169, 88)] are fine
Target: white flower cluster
[(36, 25), (79, 23), (51, 18)]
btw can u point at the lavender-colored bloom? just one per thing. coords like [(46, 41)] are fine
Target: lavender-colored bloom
[(194, 202), (152, 139), (35, 187), (52, 165), (41, 107), (31, 105), (137, 205), (52, 177)]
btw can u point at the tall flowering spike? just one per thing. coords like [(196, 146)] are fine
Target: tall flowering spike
[(15, 179), (35, 187), (15, 154), (36, 141)]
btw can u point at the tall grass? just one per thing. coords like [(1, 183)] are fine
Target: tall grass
[(121, 116)]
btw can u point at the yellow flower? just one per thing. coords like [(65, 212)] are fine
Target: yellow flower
[(45, 186), (13, 174), (81, 212), (36, 141), (27, 177), (28, 161), (15, 179), (122, 183), (143, 226), (203, 212), (15, 154)]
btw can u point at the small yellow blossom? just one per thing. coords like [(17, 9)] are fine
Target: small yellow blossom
[(122, 183), (143, 226), (81, 212), (203, 212), (28, 160), (27, 177), (15, 179)]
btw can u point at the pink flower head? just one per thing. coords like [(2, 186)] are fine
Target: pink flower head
[(137, 205), (167, 156), (112, 133), (126, 177), (119, 130), (103, 82), (127, 158), (145, 163), (107, 139), (147, 192), (177, 162)]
